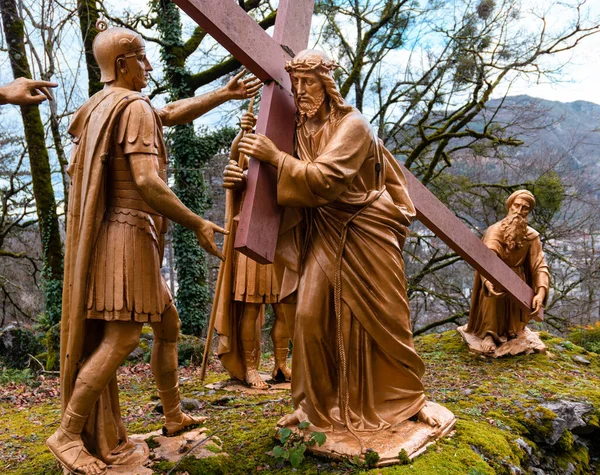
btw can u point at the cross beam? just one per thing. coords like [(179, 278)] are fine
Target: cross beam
[(265, 57)]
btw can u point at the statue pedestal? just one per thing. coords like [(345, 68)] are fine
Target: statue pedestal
[(525, 343), (413, 437), (171, 449)]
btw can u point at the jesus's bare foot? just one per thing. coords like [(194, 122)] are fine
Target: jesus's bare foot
[(488, 345), (289, 419), (429, 416), (186, 421), (254, 380), (71, 453)]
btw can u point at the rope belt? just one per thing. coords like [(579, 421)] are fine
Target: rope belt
[(337, 296)]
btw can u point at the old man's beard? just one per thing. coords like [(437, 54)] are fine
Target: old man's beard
[(514, 230), (308, 106)]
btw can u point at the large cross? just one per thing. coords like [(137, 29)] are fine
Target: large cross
[(265, 57)]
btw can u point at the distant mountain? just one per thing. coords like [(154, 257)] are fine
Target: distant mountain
[(569, 127)]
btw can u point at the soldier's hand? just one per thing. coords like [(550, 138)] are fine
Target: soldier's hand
[(248, 122), (239, 88), (24, 91), (233, 176), (205, 232)]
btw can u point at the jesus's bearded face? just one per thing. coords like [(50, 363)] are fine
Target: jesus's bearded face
[(514, 226), (309, 93)]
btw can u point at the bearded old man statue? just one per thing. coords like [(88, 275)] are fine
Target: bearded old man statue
[(356, 374), (494, 317)]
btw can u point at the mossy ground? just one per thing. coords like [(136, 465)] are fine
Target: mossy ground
[(490, 398)]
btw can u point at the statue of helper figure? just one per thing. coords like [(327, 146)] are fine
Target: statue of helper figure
[(118, 210), (245, 288)]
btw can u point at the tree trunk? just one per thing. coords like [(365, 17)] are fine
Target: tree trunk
[(39, 164), (87, 10)]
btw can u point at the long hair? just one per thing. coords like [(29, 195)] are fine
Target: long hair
[(339, 106)]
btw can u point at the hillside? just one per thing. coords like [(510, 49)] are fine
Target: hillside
[(530, 414)]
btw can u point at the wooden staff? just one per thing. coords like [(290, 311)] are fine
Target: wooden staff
[(226, 251)]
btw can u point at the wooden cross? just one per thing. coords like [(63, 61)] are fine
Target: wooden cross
[(265, 57)]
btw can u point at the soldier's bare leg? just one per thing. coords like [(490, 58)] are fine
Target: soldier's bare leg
[(164, 365), (281, 341), (250, 348), (119, 339)]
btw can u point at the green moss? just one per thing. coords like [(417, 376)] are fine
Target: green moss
[(403, 458), (152, 442), (490, 398), (587, 337), (53, 348), (566, 442)]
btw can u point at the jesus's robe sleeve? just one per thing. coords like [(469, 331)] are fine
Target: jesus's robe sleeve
[(316, 181)]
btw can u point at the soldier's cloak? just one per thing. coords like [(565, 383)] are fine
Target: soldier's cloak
[(92, 130)]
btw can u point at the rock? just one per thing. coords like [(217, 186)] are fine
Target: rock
[(524, 446), (570, 416), (136, 354), (190, 404), (187, 404), (581, 359)]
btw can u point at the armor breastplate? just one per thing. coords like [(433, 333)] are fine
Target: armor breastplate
[(123, 192)]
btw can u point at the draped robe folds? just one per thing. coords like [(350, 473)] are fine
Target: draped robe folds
[(92, 130), (501, 317), (344, 175)]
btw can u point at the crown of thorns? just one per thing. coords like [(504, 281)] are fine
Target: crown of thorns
[(311, 64)]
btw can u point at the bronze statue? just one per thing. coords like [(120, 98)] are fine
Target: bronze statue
[(117, 217), (246, 287), (356, 372), (25, 92), (495, 318)]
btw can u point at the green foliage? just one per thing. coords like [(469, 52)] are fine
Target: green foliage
[(16, 344), (549, 195), (403, 458), (587, 337), (190, 350), (371, 458), (53, 348), (294, 444), (12, 375), (189, 154)]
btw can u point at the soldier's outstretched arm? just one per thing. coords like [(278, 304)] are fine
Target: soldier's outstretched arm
[(186, 110), (159, 196)]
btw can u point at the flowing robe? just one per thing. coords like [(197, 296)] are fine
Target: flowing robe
[(501, 317), (354, 362)]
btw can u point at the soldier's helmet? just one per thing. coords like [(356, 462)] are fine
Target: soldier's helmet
[(111, 43)]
